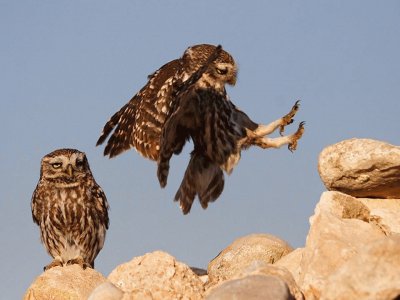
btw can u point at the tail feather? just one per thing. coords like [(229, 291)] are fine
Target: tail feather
[(202, 178)]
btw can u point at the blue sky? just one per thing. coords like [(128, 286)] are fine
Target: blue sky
[(67, 66)]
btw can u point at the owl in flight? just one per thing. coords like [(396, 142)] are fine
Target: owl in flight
[(186, 99), (70, 208)]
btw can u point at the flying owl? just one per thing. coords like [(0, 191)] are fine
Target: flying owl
[(70, 208), (186, 99)]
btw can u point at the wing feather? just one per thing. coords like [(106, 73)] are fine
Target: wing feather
[(138, 123)]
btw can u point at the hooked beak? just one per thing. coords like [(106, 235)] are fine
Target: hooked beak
[(232, 80), (70, 171)]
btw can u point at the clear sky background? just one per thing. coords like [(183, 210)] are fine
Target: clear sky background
[(67, 66)]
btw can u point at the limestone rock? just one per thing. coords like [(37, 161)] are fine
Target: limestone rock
[(69, 282), (372, 274), (253, 287), (362, 168), (242, 252), (340, 227), (157, 275), (262, 268), (385, 212), (106, 291), (292, 263)]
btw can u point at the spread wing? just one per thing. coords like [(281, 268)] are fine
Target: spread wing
[(138, 123)]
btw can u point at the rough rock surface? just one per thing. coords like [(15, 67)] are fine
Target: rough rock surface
[(70, 282), (106, 291), (263, 268), (373, 274), (242, 252), (361, 168), (292, 263), (385, 212), (253, 287), (340, 228), (159, 276)]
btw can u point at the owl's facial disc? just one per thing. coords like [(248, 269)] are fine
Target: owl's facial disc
[(226, 72), (70, 166)]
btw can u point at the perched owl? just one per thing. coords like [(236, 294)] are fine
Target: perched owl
[(70, 208), (186, 99)]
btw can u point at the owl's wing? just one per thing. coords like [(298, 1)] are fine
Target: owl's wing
[(183, 117), (36, 205), (138, 123), (101, 205)]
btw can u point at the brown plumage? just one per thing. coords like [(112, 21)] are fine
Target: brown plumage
[(70, 208), (193, 104)]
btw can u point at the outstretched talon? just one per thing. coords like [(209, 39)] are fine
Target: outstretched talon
[(296, 136), (55, 263), (288, 119), (79, 261)]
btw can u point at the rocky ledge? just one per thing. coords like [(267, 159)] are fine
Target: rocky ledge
[(351, 251)]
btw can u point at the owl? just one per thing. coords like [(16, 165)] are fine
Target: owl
[(70, 209), (186, 100)]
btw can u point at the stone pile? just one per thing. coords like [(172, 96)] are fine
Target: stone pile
[(352, 250)]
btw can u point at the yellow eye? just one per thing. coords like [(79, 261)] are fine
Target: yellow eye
[(56, 165), (222, 71)]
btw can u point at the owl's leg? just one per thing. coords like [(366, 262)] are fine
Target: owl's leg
[(79, 261), (290, 140), (57, 262), (263, 130)]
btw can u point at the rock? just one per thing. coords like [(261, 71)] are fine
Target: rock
[(242, 252), (372, 274), (253, 287), (106, 291), (362, 168), (292, 263), (340, 227), (262, 268), (385, 212), (157, 275), (69, 282)]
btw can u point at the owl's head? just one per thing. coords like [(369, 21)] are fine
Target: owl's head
[(69, 165), (222, 71)]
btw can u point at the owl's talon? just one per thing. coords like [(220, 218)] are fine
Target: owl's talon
[(79, 261), (296, 136), (54, 263), (288, 118)]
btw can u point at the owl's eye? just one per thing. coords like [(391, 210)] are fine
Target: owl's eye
[(222, 71), (79, 163), (56, 165)]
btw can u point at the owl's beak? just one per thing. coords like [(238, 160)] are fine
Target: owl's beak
[(70, 171), (232, 80)]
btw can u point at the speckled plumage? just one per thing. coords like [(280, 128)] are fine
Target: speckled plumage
[(186, 99), (70, 208)]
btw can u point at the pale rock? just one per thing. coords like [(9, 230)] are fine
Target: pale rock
[(253, 287), (340, 228), (362, 168), (157, 275), (69, 282), (385, 212), (263, 268), (373, 274), (242, 252), (292, 263), (106, 291)]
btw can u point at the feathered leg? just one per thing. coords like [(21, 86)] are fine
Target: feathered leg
[(57, 262), (80, 261), (264, 142), (263, 130)]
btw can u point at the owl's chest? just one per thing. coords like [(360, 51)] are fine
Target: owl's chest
[(69, 205)]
